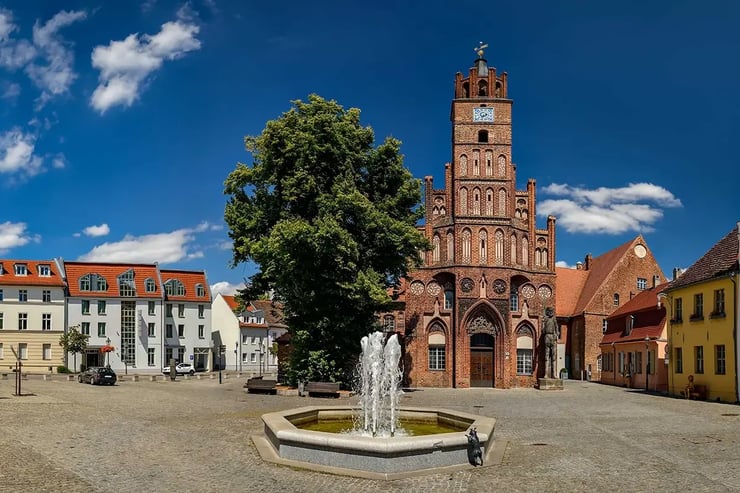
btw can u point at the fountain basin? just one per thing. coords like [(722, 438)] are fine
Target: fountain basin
[(370, 457)]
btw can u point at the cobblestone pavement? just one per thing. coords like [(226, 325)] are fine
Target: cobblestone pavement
[(193, 435)]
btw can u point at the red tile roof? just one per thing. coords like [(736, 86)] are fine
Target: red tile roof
[(190, 279), (272, 310), (720, 259), (599, 270), (8, 277), (569, 283), (644, 300), (637, 334), (142, 272), (231, 301)]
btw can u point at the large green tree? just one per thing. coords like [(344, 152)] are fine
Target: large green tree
[(329, 218)]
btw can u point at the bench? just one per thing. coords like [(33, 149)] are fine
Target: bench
[(698, 393), (260, 384), (322, 389)]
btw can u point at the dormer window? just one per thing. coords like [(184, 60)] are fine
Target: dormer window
[(174, 287), (21, 269), (44, 271), (199, 290), (149, 285), (126, 286), (629, 325)]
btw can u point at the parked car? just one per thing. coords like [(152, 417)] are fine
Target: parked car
[(98, 375), (180, 369)]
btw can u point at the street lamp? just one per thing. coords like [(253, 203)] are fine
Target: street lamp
[(107, 353), (647, 361)]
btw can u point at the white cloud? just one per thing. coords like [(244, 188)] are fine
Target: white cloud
[(57, 75), (13, 54), (125, 65), (59, 161), (14, 235), (101, 230), (12, 91), (564, 264), (164, 248), (225, 287), (607, 210), (17, 153)]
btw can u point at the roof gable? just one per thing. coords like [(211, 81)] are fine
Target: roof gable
[(112, 273), (30, 273), (569, 283), (194, 284)]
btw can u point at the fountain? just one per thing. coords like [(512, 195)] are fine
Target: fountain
[(376, 450)]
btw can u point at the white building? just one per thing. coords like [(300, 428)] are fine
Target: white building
[(248, 334)]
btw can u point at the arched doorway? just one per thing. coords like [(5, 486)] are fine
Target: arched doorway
[(481, 360)]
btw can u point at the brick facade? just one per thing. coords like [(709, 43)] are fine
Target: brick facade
[(482, 291)]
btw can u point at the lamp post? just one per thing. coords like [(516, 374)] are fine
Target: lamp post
[(107, 354), (647, 361)]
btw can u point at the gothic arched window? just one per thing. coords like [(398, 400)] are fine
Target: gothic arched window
[(502, 202), (476, 162), (466, 246), (525, 251), (501, 170), (489, 202), (463, 165), (483, 254), (512, 247), (489, 163), (476, 202), (499, 238), (450, 247), (464, 201), (435, 250)]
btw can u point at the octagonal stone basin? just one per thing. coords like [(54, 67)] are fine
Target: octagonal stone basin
[(371, 457)]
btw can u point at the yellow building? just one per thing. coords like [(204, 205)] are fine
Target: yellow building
[(703, 313)]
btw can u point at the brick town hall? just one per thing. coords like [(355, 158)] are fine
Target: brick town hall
[(471, 316)]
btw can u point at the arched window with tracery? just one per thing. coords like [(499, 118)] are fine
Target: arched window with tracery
[(435, 248), (489, 202), (502, 202), (483, 253), (463, 165), (499, 239), (476, 162), (466, 246), (544, 257), (489, 163), (464, 201), (476, 202), (450, 247), (501, 169), (512, 247), (537, 257)]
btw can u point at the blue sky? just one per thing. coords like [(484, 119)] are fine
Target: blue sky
[(119, 121)]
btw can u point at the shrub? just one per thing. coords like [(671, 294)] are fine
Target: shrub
[(63, 369)]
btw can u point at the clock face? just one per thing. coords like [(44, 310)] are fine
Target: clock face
[(482, 114)]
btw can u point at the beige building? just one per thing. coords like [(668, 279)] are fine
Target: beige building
[(32, 315)]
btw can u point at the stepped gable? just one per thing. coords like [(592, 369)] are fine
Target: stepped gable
[(720, 259)]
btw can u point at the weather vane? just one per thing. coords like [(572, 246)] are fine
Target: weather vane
[(481, 46)]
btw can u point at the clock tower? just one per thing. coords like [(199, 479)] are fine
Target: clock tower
[(473, 312)]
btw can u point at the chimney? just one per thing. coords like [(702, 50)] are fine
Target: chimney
[(588, 261), (675, 273), (656, 280)]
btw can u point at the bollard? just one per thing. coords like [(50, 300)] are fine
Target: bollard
[(47, 377), (70, 378), (152, 378), (135, 378), (199, 377), (213, 376)]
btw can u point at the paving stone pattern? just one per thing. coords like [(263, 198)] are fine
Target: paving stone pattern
[(194, 435)]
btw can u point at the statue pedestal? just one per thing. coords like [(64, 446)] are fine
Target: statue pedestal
[(550, 383)]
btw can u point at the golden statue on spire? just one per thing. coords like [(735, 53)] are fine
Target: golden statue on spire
[(479, 49)]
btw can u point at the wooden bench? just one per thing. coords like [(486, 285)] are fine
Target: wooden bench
[(322, 389), (259, 384), (699, 393)]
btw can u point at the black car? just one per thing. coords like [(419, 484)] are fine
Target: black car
[(98, 375)]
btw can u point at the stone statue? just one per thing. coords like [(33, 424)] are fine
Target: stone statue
[(550, 333)]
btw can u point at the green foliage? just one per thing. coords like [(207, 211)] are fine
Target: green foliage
[(63, 369), (330, 221), (73, 341)]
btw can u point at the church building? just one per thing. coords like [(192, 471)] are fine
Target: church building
[(472, 315)]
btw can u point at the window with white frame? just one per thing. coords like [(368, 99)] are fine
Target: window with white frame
[(169, 309), (181, 310), (101, 329), (85, 328), (698, 359), (101, 307), (199, 290), (126, 286), (23, 321), (201, 311), (168, 330), (21, 269), (181, 354), (436, 342), (641, 283), (22, 295), (44, 271), (2, 351), (181, 330), (389, 323), (149, 285), (514, 300), (1, 321), (720, 361), (151, 307), (253, 358), (23, 350), (150, 356), (46, 351), (1, 295), (85, 307), (46, 296), (201, 332), (151, 329), (85, 282), (46, 321), (449, 299), (524, 351)]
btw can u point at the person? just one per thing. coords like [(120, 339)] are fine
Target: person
[(689, 389), (551, 335)]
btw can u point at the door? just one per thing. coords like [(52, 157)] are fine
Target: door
[(481, 360)]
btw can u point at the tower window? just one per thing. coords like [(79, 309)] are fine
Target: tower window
[(482, 88), (483, 136)]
